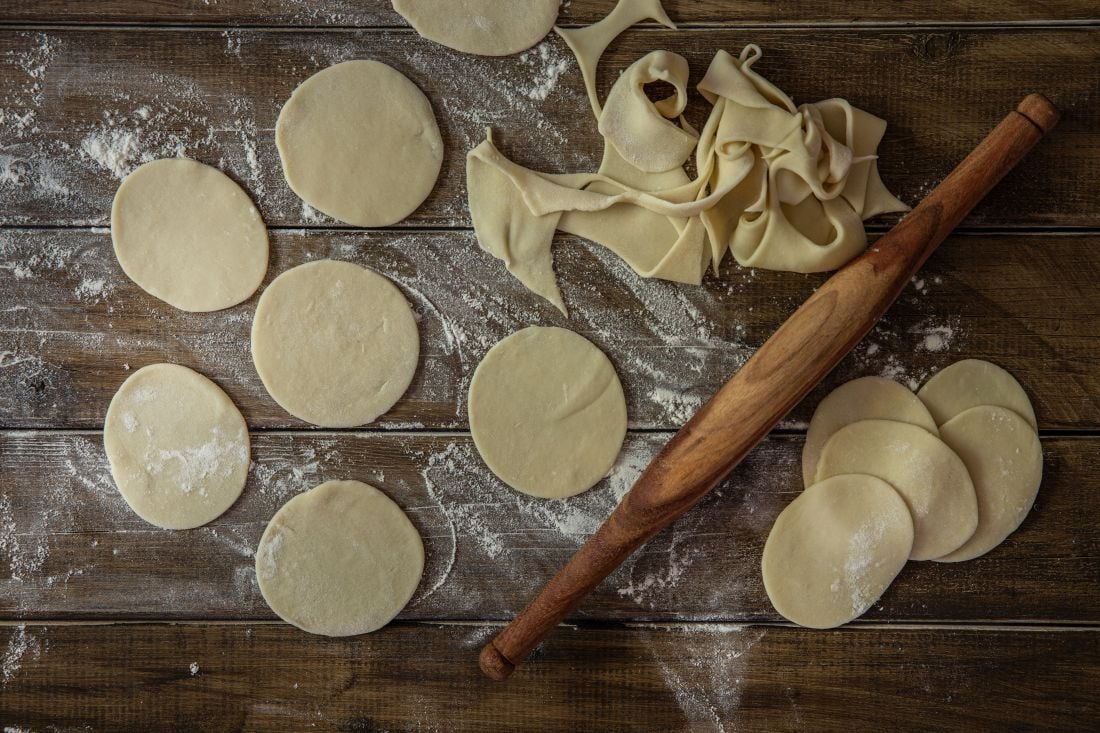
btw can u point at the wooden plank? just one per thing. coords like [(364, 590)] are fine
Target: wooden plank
[(71, 549), (422, 677), (82, 108), (381, 14), (72, 325)]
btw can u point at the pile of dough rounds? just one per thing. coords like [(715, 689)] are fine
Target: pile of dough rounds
[(485, 27), (962, 456), (547, 412), (783, 187)]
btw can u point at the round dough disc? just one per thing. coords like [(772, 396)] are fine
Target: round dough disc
[(861, 399), (187, 234), (334, 344), (970, 383), (485, 27), (177, 445), (359, 142), (933, 480), (547, 412), (835, 550), (340, 559), (1005, 460)]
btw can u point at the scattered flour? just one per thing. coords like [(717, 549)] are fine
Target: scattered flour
[(193, 668), (22, 645), (549, 65)]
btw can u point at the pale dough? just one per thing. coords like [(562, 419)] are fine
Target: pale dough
[(970, 383), (485, 27), (860, 399), (1005, 460), (359, 142), (547, 412), (835, 550), (334, 344), (187, 234), (340, 559), (929, 475), (177, 446)]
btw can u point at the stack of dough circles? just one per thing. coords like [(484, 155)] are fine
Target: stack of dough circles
[(929, 475), (866, 398), (970, 383), (835, 550), (485, 27), (334, 344), (340, 559), (177, 446), (187, 234), (359, 142), (547, 412)]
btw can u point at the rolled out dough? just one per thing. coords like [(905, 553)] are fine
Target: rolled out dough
[(359, 142), (187, 234), (547, 412), (860, 399), (485, 27), (970, 383), (835, 550), (929, 475), (334, 344), (177, 446), (340, 559), (1005, 459)]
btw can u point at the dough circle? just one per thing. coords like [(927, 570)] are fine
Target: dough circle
[(929, 475), (177, 446), (340, 559), (187, 234), (835, 550), (359, 142), (1005, 460), (860, 399), (547, 412), (485, 27), (334, 344), (970, 383)]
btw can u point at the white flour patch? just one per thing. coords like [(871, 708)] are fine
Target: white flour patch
[(548, 63), (22, 646), (193, 668)]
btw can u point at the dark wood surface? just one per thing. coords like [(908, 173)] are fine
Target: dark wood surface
[(88, 89)]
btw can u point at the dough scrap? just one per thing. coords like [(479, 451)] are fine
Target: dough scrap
[(188, 234), (970, 383), (340, 559), (359, 142), (484, 27), (177, 446), (547, 412), (1005, 459), (860, 399), (929, 475), (335, 344), (836, 549)]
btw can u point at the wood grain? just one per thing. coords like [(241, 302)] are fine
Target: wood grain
[(71, 549), (705, 677), (380, 12), (70, 323), (82, 107)]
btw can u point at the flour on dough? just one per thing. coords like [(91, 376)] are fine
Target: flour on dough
[(929, 475), (339, 560), (187, 234), (835, 550), (177, 446), (1005, 460), (547, 412), (334, 344), (860, 399), (484, 27), (359, 142), (970, 383)]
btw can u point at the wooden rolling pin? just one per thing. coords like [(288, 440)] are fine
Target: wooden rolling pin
[(789, 364)]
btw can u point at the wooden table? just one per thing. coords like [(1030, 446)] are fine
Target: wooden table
[(109, 623)]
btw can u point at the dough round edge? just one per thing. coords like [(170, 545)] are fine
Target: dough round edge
[(522, 42)]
